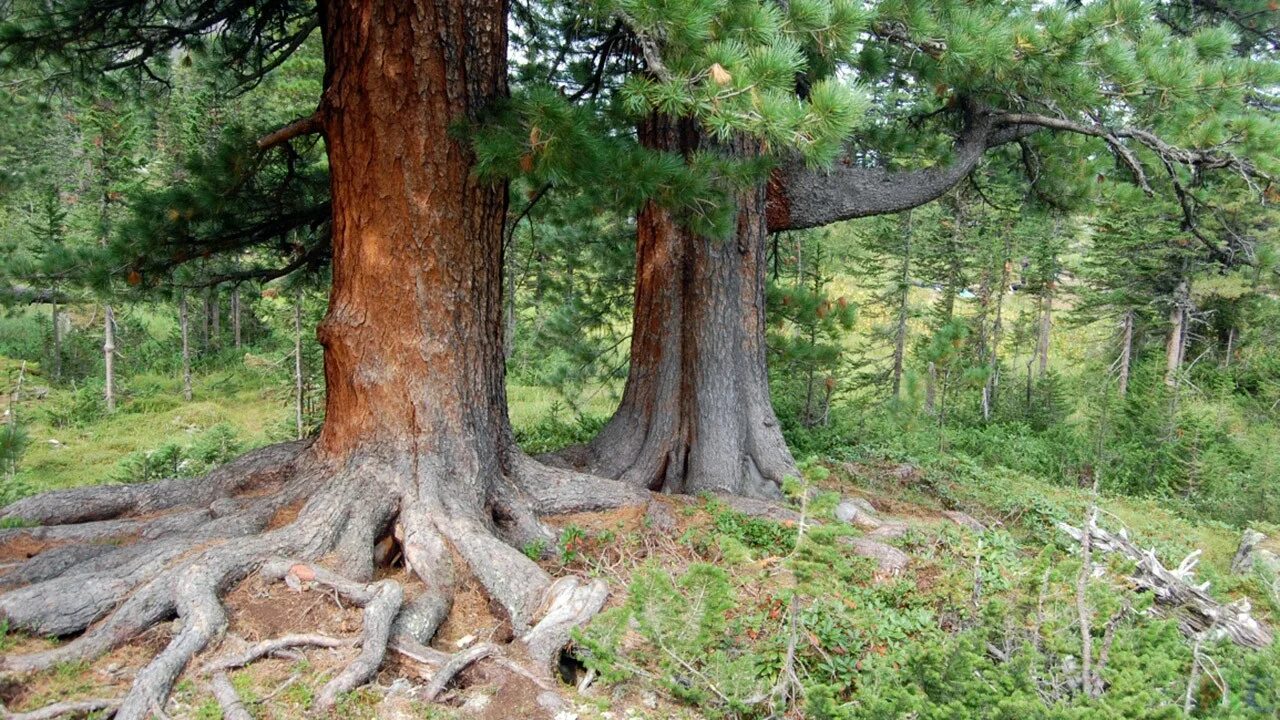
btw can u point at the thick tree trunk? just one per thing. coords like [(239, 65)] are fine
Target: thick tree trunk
[(695, 414), (109, 358), (184, 326), (416, 444)]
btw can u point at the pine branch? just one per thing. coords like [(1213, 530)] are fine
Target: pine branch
[(309, 125)]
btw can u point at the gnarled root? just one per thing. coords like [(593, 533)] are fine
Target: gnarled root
[(119, 560)]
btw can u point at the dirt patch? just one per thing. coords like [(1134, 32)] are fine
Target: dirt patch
[(495, 694), (24, 547), (472, 615), (285, 515), (259, 610), (626, 519)]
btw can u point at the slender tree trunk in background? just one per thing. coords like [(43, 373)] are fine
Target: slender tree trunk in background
[(184, 325), (509, 313), (57, 341), (205, 318), (1175, 343), (695, 414), (235, 315), (931, 389), (1126, 354), (1046, 328), (298, 396), (982, 345), (992, 385), (109, 358), (215, 318), (904, 305), (1231, 341)]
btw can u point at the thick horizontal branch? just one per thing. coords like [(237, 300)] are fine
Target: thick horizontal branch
[(24, 295), (800, 197), (309, 125)]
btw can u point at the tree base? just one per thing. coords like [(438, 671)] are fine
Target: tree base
[(108, 563)]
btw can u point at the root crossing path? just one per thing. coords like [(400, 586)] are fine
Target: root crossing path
[(101, 565)]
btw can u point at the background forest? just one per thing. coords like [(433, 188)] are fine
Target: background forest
[(1044, 343)]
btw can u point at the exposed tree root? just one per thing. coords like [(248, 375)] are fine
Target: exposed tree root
[(73, 708), (228, 700), (271, 647), (119, 560), (460, 661)]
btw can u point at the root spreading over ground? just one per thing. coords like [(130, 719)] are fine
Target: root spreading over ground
[(105, 565)]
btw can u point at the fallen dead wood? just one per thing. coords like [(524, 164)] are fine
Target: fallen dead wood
[(1176, 595)]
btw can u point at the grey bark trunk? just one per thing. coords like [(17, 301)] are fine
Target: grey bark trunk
[(184, 325), (931, 389), (509, 311), (215, 318), (204, 323), (696, 414), (57, 342), (904, 306), (1126, 353), (1175, 342), (1046, 327), (298, 396), (109, 358), (235, 315)]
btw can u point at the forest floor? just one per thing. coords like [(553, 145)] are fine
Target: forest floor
[(957, 534)]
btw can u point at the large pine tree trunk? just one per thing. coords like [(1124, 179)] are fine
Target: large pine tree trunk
[(695, 414), (416, 444)]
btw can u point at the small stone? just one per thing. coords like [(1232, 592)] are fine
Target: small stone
[(464, 641), (477, 703), (566, 715), (891, 560), (889, 531), (660, 518), (853, 512), (552, 702), (906, 471), (649, 699), (964, 520)]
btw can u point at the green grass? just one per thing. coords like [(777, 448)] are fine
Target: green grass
[(152, 413)]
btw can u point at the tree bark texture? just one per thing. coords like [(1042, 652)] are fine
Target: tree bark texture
[(1126, 354), (184, 326), (109, 358), (695, 414), (416, 449)]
